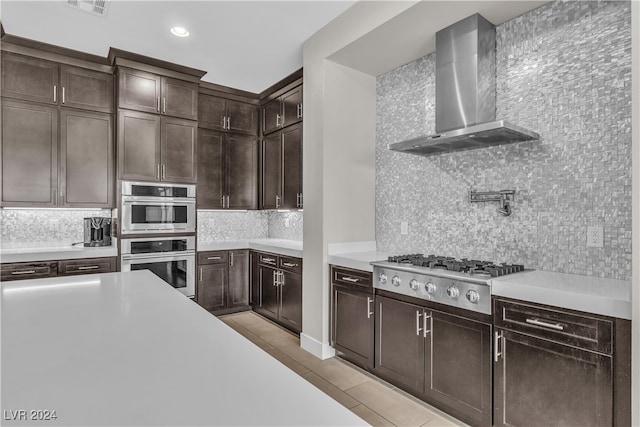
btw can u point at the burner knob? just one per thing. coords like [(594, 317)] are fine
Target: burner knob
[(453, 292), (395, 281), (430, 287), (382, 277), (473, 296), (414, 285)]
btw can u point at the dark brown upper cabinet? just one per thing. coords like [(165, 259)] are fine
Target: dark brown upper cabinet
[(226, 115), (151, 93), (33, 79), (282, 169), (227, 170), (29, 154), (86, 159), (283, 111), (155, 148), (40, 170)]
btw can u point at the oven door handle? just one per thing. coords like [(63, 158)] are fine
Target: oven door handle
[(159, 200), (169, 256)]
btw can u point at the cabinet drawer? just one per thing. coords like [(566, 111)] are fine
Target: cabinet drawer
[(213, 257), (352, 278), (37, 270), (291, 264), (565, 326), (268, 259), (86, 266)]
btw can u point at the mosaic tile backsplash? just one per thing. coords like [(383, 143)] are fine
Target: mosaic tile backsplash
[(217, 226), (564, 71), (35, 228)]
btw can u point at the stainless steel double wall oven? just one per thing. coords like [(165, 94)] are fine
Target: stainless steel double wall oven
[(158, 224)]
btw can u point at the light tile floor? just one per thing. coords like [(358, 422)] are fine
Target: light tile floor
[(375, 401)]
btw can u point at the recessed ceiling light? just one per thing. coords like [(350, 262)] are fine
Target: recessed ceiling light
[(179, 32)]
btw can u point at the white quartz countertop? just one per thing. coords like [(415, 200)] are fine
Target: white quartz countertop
[(128, 349), (56, 253), (279, 246), (357, 260), (595, 295)]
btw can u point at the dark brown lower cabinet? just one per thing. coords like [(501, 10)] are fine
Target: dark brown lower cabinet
[(223, 281), (557, 367), (70, 267), (279, 289), (352, 317), (443, 358)]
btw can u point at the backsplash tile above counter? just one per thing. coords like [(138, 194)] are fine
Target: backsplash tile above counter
[(563, 70), (218, 226)]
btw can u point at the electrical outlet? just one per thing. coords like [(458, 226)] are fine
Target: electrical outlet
[(595, 236), (53, 224), (404, 228)]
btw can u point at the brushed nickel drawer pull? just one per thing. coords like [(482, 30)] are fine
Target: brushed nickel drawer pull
[(214, 257), (369, 308), (55, 92), (289, 264), (350, 279), (427, 318), (556, 326), (278, 120), (63, 94), (89, 267), (496, 344), (418, 328), (16, 273), (269, 260)]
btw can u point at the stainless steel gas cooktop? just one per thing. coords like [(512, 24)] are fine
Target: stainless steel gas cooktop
[(460, 283)]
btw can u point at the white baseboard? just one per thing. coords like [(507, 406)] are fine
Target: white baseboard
[(315, 347)]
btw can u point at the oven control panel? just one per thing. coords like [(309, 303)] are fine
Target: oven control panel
[(448, 291)]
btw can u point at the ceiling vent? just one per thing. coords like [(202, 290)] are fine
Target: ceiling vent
[(95, 7)]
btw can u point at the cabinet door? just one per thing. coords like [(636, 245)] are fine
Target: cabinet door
[(29, 154), (138, 90), (74, 267), (242, 117), (138, 145), (291, 166), (86, 159), (178, 159), (210, 187), (241, 162), (28, 270), (271, 116), (291, 300), (268, 292), (86, 89), (271, 171), (292, 106), (400, 347), (539, 382), (238, 294), (254, 289), (458, 366), (353, 324), (179, 98), (29, 79), (212, 280), (211, 112)]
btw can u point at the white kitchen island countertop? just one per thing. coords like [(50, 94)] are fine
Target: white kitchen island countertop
[(595, 295), (280, 246), (128, 349), (57, 253)]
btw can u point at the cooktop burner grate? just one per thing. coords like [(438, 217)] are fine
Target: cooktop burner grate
[(464, 265)]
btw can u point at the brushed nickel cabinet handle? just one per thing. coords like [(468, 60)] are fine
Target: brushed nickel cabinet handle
[(158, 104), (55, 93), (227, 201), (63, 94), (158, 171), (278, 117), (230, 259), (17, 273), (537, 322), (277, 201), (369, 307), (275, 278), (350, 279), (200, 274), (425, 318), (90, 267), (228, 123), (164, 172), (214, 257), (497, 338), (281, 278), (164, 104), (418, 316), (268, 260), (289, 264)]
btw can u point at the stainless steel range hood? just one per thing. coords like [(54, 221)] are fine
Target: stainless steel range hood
[(465, 94)]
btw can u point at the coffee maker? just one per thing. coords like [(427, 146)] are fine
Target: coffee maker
[(97, 231)]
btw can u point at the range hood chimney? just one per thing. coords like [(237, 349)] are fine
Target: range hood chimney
[(465, 93)]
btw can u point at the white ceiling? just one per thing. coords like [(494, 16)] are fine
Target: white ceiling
[(246, 45)]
